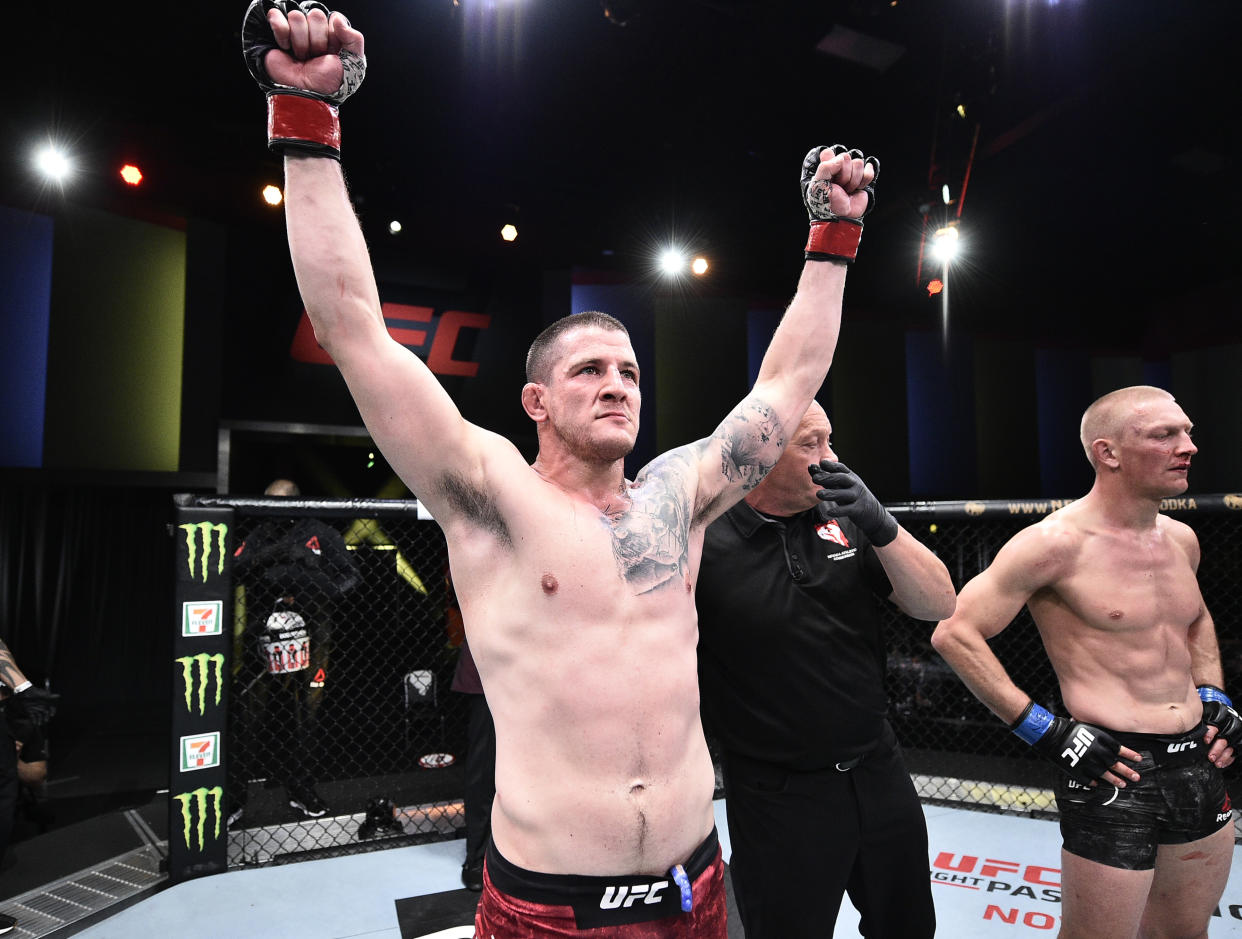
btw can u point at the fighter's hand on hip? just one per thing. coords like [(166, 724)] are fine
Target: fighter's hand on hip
[(1224, 732), (1083, 751), (842, 494)]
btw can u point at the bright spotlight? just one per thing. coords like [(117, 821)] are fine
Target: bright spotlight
[(131, 174), (945, 244), (272, 195), (509, 232), (699, 266), (672, 262), (944, 194), (53, 163), (394, 227)]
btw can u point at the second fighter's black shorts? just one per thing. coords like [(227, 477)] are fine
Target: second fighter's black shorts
[(1180, 797)]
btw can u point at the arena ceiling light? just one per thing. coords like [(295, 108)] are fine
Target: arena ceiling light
[(945, 244), (53, 163), (509, 232), (131, 174), (272, 195), (394, 227), (699, 266), (672, 262)]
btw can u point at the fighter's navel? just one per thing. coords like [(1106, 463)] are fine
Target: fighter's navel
[(549, 584)]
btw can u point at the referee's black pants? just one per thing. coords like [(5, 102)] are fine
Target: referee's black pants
[(801, 840)]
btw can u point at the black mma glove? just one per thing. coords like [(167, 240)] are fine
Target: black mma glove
[(1218, 711), (1082, 751), (33, 704), (297, 119), (844, 494), (832, 237)]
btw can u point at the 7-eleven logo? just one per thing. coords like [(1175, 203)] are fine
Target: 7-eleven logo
[(200, 751), (201, 618)]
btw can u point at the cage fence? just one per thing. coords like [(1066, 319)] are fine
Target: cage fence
[(343, 732), (344, 735)]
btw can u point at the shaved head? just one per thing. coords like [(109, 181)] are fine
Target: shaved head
[(1108, 416), (282, 487)]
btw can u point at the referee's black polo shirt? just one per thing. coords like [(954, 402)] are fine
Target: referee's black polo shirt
[(791, 648)]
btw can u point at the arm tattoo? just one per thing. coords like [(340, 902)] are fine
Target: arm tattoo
[(476, 505), (751, 440), (10, 674)]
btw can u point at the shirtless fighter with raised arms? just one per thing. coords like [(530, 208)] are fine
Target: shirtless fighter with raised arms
[(1110, 582), (576, 585)]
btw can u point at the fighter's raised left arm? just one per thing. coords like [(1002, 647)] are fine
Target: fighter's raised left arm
[(836, 190)]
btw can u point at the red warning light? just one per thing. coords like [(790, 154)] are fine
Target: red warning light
[(131, 174), (934, 287)]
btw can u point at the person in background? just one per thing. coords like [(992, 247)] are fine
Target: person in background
[(292, 570)]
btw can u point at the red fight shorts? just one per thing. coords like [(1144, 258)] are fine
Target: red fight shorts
[(522, 904)]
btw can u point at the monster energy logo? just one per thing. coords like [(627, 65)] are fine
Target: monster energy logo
[(198, 799), (202, 664), (196, 530)]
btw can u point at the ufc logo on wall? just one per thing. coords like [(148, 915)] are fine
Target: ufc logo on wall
[(410, 326)]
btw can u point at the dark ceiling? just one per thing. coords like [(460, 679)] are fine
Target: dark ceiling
[(1102, 193)]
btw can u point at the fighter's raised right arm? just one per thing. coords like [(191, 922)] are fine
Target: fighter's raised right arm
[(309, 60)]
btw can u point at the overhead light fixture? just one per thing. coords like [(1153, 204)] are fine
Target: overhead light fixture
[(945, 244), (53, 163), (394, 227), (672, 262), (509, 232), (699, 266), (272, 195), (131, 174)]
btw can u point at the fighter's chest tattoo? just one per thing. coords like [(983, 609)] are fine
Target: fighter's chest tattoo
[(651, 537)]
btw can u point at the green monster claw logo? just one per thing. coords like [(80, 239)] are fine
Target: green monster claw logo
[(202, 664), (198, 798), (195, 530)]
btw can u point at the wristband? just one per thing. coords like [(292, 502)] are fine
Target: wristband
[(297, 121), (834, 241), (1032, 723), (1212, 693)]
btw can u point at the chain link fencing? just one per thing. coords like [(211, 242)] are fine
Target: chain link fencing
[(958, 752), (343, 734)]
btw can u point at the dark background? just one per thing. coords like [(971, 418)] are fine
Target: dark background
[(1100, 226)]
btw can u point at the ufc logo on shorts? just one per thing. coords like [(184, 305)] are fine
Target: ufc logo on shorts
[(620, 897), (1179, 747), (1083, 739)]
